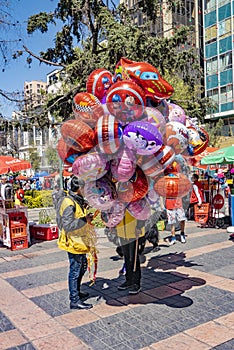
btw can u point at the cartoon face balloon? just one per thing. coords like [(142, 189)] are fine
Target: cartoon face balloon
[(90, 166), (146, 76), (142, 137), (176, 113), (155, 117), (176, 136), (98, 83), (101, 194), (198, 141), (126, 100)]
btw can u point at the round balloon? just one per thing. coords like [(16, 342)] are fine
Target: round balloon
[(140, 209), (146, 76), (164, 109), (134, 189), (176, 136), (98, 83), (173, 185), (126, 100), (90, 166), (87, 107), (101, 194), (66, 153), (197, 142), (176, 114), (123, 166), (155, 117), (109, 134), (114, 215), (78, 135), (142, 137)]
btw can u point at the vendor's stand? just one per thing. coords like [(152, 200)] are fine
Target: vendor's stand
[(14, 227)]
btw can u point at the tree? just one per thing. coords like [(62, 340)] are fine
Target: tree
[(96, 35), (51, 155), (34, 158)]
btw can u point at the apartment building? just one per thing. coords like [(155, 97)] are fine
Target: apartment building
[(34, 94)]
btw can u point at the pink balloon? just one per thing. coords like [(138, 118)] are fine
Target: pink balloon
[(90, 166), (124, 165), (140, 209), (176, 113), (114, 216), (100, 194), (155, 117)]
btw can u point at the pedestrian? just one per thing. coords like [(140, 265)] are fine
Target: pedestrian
[(129, 230), (197, 195), (175, 212), (75, 238)]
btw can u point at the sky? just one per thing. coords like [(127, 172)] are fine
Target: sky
[(18, 71)]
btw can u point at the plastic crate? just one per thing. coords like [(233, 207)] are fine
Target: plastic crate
[(19, 243), (46, 232), (201, 218), (17, 229), (17, 216), (201, 213)]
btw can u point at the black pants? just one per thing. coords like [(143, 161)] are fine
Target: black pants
[(128, 249)]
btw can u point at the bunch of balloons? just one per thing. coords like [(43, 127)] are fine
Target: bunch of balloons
[(128, 142)]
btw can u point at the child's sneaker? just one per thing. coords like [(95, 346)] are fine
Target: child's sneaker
[(172, 241), (182, 239)]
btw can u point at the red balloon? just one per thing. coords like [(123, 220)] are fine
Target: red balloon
[(146, 76), (66, 153), (109, 134), (78, 135), (126, 100), (87, 107), (98, 82), (173, 185)]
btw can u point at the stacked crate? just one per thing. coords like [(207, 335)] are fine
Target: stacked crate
[(18, 230)]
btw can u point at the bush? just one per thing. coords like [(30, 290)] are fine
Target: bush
[(38, 199)]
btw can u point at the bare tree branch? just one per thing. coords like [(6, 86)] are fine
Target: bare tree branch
[(8, 95), (43, 60)]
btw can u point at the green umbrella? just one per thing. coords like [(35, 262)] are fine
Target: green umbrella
[(221, 156)]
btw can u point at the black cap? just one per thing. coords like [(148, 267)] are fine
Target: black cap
[(76, 183)]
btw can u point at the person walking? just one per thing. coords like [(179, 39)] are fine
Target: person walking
[(75, 238), (197, 195), (175, 212), (129, 230)]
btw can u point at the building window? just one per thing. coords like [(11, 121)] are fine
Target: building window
[(226, 61), (214, 95), (212, 66), (226, 94), (224, 28)]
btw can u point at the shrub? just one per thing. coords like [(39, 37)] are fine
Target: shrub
[(38, 199)]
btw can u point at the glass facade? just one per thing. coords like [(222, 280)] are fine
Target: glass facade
[(218, 51)]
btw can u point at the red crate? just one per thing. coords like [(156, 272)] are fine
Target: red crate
[(45, 232), (19, 243), (17, 229), (17, 216), (201, 213)]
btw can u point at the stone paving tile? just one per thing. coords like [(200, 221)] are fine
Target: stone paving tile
[(27, 346), (11, 338), (181, 342), (228, 345), (5, 323)]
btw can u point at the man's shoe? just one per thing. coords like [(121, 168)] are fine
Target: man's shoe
[(182, 239), (135, 289), (80, 305), (83, 295), (172, 241), (124, 286)]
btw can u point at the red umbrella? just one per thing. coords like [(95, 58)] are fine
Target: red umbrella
[(10, 164), (21, 177)]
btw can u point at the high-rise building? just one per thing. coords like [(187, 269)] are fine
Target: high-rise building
[(218, 33), (34, 94)]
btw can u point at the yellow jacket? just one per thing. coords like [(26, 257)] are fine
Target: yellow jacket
[(126, 227), (80, 240)]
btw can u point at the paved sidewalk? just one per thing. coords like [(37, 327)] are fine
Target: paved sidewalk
[(187, 298)]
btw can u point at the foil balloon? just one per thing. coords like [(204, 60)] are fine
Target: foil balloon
[(98, 83), (173, 185), (146, 76), (176, 114), (154, 200), (197, 142), (164, 109), (114, 215), (126, 101), (90, 166), (87, 107), (142, 137), (66, 153), (134, 189), (176, 136), (109, 134), (101, 194), (140, 209), (78, 135), (155, 117), (154, 164), (123, 166)]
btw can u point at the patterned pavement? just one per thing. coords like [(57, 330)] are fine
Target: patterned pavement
[(186, 302)]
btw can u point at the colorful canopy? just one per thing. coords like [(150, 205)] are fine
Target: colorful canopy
[(10, 164), (221, 156)]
